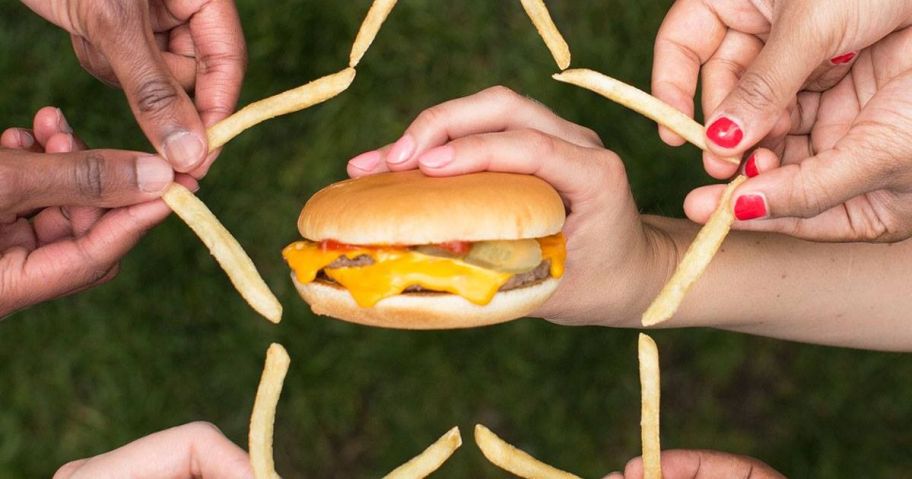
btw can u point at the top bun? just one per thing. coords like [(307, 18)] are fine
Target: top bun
[(411, 208)]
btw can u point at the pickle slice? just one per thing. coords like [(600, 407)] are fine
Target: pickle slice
[(513, 256)]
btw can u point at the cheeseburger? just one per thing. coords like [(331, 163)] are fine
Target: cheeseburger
[(403, 250)]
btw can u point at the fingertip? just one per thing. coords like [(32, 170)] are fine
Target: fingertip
[(717, 167), (670, 138), (17, 138), (725, 135), (60, 143), (185, 150), (702, 202), (366, 163)]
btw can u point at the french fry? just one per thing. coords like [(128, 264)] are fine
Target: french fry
[(262, 420), (650, 388), (374, 19), (640, 102), (513, 460), (430, 459), (290, 101), (555, 42), (227, 251), (695, 261)]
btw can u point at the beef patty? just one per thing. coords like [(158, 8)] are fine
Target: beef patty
[(537, 275)]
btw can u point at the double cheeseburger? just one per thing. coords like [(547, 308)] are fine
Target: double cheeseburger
[(403, 250)]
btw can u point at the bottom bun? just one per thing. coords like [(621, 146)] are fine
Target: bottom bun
[(425, 310)]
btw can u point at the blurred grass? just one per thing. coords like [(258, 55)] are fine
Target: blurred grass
[(170, 342)]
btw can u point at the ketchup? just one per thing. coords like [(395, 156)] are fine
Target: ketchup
[(458, 248)]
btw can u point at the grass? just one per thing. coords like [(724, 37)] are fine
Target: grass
[(169, 341)]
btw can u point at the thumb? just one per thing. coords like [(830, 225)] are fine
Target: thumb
[(762, 93), (103, 178), (162, 108)]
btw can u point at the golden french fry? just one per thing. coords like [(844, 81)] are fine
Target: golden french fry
[(650, 390), (262, 419), (513, 460), (555, 42), (695, 261), (640, 102), (290, 101), (226, 250), (430, 459), (374, 19)]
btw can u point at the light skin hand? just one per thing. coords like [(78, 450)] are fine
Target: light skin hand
[(499, 130), (193, 451), (701, 464), (618, 260), (821, 87), (158, 51), (843, 171), (57, 235)]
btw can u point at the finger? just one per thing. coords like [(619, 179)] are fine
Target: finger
[(63, 267), (369, 163), (192, 450), (104, 178), (573, 170), (19, 139), (679, 54), (221, 54), (702, 464), (750, 111), (720, 75), (164, 111), (494, 109), (50, 122), (93, 61)]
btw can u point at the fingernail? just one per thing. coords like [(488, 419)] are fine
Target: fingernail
[(71, 142), (750, 207), (184, 150), (366, 161), (750, 166), (62, 123), (26, 140), (725, 133), (843, 59), (153, 174), (438, 157), (402, 150)]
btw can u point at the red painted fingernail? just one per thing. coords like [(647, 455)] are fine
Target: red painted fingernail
[(750, 207), (725, 133), (843, 59), (750, 167)]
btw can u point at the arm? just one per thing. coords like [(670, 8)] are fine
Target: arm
[(842, 294)]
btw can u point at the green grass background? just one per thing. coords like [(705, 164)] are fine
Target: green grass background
[(169, 341)]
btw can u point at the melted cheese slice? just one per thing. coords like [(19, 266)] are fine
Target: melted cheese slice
[(395, 269)]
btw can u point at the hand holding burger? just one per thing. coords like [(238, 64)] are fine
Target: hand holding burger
[(617, 259)]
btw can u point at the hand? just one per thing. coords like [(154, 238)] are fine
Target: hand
[(193, 451), (846, 171), (158, 50), (609, 249), (764, 65), (56, 238), (695, 464)]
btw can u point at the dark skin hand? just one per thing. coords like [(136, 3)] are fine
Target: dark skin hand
[(158, 51), (68, 214)]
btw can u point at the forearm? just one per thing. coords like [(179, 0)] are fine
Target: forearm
[(845, 294)]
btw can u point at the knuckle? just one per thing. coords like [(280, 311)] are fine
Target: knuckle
[(757, 90), (592, 136), (203, 429), (156, 95), (432, 117), (542, 143), (109, 16), (89, 175), (502, 93), (223, 62)]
